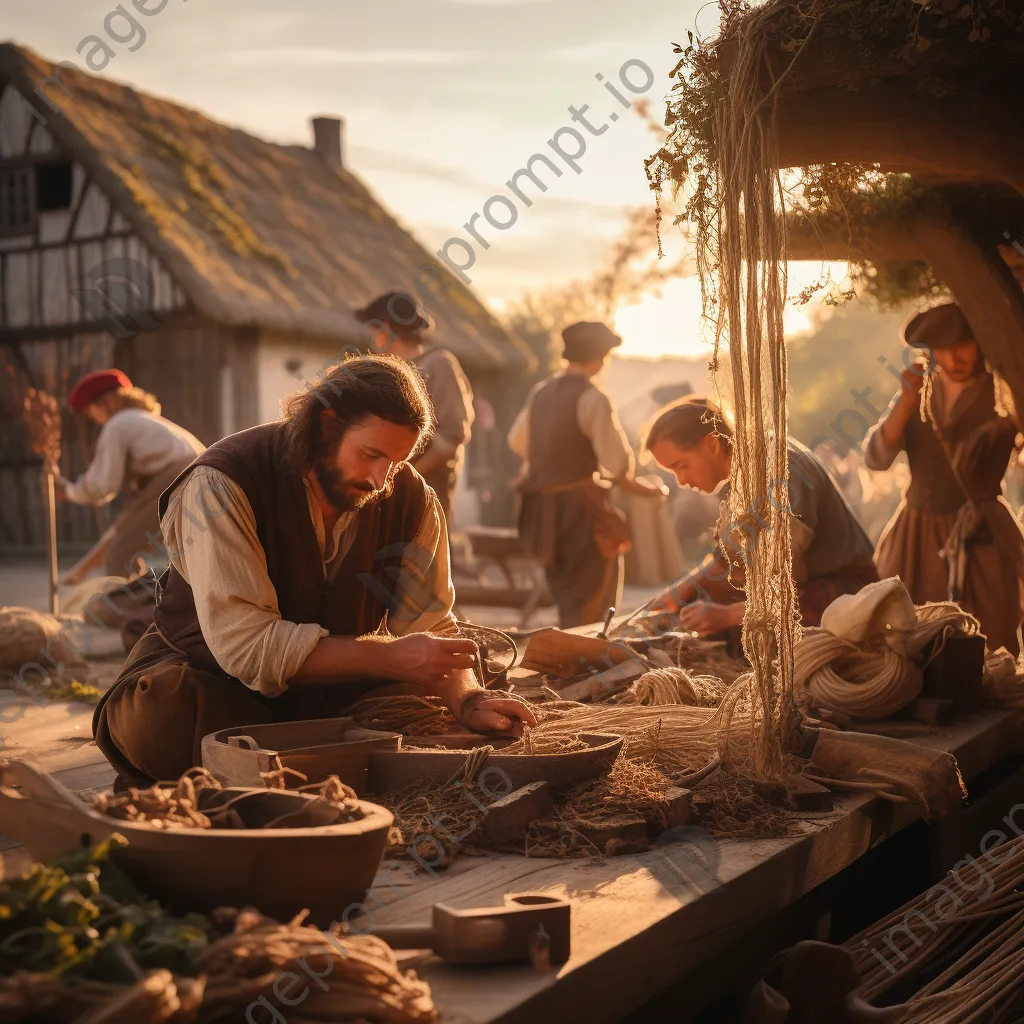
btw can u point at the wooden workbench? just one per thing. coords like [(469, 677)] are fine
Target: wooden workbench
[(640, 923)]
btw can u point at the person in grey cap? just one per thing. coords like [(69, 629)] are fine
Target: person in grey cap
[(954, 536), (396, 324), (573, 449)]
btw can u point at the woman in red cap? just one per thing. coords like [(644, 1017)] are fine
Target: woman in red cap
[(954, 537), (137, 450)]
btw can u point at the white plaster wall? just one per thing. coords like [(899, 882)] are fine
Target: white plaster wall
[(275, 378)]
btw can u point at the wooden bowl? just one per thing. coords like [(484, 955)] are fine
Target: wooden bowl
[(399, 769), (280, 871), (325, 746)]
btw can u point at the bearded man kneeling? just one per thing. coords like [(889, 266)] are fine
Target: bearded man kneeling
[(290, 544)]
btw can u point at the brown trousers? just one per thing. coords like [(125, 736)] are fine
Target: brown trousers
[(137, 526), (151, 723), (583, 575)]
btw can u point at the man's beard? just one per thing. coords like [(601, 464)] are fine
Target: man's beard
[(344, 494)]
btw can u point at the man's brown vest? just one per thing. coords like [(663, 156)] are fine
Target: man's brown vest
[(559, 451), (363, 587)]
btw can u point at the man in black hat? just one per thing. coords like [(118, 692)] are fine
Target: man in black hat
[(573, 447), (954, 537), (395, 323)]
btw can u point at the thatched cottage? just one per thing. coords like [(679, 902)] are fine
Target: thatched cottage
[(218, 270)]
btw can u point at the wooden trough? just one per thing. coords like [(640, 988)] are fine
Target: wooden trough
[(279, 870), (244, 755), (402, 768)]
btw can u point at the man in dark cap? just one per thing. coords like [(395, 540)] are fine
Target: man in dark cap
[(395, 323), (954, 537), (573, 448)]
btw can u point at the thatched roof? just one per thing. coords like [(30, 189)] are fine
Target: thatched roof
[(256, 234)]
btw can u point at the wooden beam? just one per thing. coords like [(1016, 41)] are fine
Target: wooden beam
[(989, 295), (979, 278), (902, 130)]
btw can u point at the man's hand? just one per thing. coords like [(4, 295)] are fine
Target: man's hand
[(483, 712), (703, 618), (60, 491), (912, 380), (422, 658)]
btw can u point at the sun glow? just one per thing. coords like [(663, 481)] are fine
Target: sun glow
[(670, 324)]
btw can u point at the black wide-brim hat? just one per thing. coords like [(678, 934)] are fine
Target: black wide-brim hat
[(400, 310), (942, 326)]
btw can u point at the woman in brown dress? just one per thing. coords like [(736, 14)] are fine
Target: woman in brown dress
[(954, 536)]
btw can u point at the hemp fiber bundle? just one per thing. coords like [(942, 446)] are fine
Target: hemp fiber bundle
[(878, 678), (973, 923), (743, 280)]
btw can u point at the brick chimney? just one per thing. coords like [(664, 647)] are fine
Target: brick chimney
[(327, 137)]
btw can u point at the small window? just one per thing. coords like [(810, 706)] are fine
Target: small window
[(16, 215), (53, 186)]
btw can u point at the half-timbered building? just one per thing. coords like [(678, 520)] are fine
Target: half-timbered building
[(217, 269)]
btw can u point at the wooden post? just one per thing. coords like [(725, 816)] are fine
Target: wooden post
[(50, 501)]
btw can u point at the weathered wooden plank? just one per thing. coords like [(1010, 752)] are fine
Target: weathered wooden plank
[(641, 923)]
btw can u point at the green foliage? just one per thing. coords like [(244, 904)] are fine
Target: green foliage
[(83, 693), (940, 47), (841, 353), (81, 916)]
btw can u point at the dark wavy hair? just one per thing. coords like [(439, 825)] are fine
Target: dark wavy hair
[(686, 423), (355, 388)]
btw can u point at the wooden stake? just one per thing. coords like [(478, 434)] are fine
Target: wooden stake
[(50, 501)]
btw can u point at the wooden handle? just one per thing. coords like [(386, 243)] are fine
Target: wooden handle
[(33, 782)]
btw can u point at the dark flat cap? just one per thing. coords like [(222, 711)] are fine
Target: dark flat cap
[(398, 309), (941, 326), (588, 340)]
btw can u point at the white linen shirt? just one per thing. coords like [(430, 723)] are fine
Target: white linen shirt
[(134, 442)]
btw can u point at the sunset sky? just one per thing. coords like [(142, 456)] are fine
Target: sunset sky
[(443, 100)]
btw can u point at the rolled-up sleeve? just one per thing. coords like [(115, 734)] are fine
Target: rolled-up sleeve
[(210, 532), (519, 433), (426, 595), (596, 417), (104, 478), (878, 455), (452, 397)]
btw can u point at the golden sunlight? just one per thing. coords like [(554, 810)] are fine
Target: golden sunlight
[(670, 324)]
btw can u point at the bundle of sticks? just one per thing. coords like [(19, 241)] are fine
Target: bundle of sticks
[(965, 936), (41, 415)]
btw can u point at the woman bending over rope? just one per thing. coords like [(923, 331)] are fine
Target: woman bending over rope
[(954, 537), (832, 554)]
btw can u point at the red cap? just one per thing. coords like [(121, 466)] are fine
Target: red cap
[(96, 384)]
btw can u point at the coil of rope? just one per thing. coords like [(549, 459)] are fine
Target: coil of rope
[(875, 680)]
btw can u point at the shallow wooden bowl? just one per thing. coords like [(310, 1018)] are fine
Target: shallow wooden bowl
[(280, 871), (240, 756), (398, 769)]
